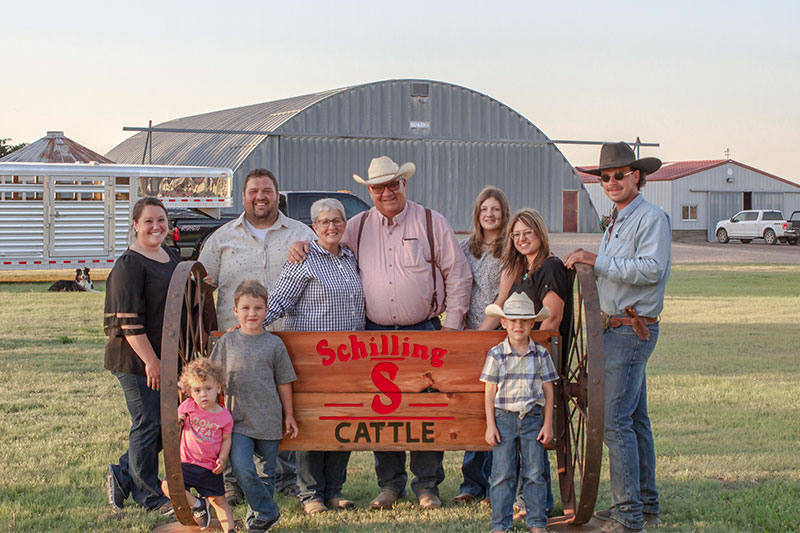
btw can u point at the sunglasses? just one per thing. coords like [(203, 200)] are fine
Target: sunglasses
[(618, 175), (378, 189)]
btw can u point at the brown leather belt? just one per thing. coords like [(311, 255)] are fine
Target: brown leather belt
[(615, 322)]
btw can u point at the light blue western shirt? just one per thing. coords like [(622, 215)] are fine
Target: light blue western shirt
[(633, 263)]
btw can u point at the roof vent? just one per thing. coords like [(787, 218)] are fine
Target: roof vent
[(55, 134), (421, 90)]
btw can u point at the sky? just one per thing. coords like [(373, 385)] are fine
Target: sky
[(698, 77)]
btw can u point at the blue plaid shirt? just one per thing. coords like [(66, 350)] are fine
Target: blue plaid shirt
[(519, 378), (323, 293)]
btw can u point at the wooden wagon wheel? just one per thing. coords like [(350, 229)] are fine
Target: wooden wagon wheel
[(579, 404), (189, 317)]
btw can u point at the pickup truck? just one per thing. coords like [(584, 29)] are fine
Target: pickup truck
[(191, 228), (767, 224), (794, 228)]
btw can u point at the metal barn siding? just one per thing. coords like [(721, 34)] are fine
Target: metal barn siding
[(718, 194), (460, 140), (721, 205)]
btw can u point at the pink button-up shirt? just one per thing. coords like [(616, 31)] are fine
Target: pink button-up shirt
[(394, 260)]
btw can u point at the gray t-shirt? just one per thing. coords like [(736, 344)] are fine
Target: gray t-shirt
[(254, 365)]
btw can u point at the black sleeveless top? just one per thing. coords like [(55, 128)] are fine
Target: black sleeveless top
[(552, 275)]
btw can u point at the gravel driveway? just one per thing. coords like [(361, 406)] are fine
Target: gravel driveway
[(711, 252)]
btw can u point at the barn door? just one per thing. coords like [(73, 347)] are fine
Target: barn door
[(569, 211)]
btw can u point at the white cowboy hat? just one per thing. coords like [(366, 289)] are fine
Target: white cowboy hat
[(383, 170), (518, 305)]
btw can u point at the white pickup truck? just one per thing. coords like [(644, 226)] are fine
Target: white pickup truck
[(745, 226)]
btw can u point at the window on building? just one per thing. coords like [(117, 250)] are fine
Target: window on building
[(688, 212)]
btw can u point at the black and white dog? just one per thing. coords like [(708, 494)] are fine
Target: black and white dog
[(81, 283)]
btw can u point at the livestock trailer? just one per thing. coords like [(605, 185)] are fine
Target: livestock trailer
[(58, 215)]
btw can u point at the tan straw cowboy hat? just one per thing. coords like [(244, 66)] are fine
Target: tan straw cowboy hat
[(518, 305), (383, 170)]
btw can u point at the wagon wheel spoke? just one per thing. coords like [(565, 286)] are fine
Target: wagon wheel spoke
[(188, 317), (579, 404)]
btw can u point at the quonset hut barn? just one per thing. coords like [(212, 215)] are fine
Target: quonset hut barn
[(460, 140)]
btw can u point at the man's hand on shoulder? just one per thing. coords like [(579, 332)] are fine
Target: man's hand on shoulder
[(579, 256), (298, 252)]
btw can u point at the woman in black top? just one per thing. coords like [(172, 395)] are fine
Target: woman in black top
[(529, 267), (136, 292)]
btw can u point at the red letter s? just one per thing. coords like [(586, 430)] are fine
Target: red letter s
[(328, 354), (382, 376)]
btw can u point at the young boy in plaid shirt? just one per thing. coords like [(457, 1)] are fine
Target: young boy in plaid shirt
[(518, 374)]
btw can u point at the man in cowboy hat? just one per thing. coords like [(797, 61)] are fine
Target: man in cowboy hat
[(632, 267), (405, 288)]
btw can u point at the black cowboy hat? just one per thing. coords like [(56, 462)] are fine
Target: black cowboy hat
[(615, 155)]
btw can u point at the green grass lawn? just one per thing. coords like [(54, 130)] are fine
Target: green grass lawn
[(724, 397)]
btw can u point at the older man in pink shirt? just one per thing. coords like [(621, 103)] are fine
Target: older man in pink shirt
[(405, 289)]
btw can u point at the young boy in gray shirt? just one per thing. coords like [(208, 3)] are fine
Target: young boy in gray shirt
[(258, 389)]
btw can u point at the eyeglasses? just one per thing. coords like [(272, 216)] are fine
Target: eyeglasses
[(378, 189), (325, 222), (618, 175), (527, 234)]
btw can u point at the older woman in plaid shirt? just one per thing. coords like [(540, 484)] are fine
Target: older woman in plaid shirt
[(323, 293)]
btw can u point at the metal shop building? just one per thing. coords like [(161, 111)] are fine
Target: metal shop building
[(698, 194), (460, 140)]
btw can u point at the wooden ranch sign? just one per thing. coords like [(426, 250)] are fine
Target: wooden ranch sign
[(390, 390)]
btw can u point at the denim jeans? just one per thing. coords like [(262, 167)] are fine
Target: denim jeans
[(137, 471), (527, 463), (258, 493), (476, 467), (285, 470), (631, 455), (548, 506), (390, 467), (321, 475), (232, 484)]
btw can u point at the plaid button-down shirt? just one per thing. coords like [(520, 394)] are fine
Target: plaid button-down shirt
[(323, 293), (519, 378), (233, 254)]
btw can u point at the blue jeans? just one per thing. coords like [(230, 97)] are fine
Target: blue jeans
[(258, 493), (321, 475), (548, 506), (527, 463), (137, 471), (476, 469), (285, 470), (631, 454), (390, 467)]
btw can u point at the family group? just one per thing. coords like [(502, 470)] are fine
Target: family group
[(397, 266)]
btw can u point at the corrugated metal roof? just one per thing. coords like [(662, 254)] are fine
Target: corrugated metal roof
[(218, 149), (460, 140), (673, 170), (54, 148)]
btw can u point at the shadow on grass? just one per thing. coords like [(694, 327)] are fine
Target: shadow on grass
[(711, 505)]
